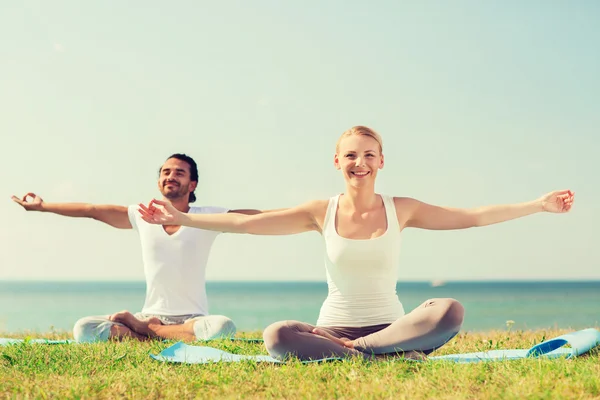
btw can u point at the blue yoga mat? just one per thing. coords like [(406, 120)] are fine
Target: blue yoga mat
[(581, 342), (10, 341), (185, 353)]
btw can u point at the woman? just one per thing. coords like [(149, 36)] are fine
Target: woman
[(362, 315)]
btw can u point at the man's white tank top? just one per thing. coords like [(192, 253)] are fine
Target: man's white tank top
[(361, 274)]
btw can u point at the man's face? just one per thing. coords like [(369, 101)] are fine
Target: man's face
[(174, 180)]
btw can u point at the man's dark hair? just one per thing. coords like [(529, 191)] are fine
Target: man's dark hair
[(193, 170)]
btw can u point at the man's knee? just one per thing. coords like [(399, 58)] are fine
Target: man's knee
[(214, 327), (92, 329)]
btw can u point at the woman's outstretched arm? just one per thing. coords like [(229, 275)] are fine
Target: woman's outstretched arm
[(426, 216), (283, 222)]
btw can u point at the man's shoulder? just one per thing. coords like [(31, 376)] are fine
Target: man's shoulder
[(208, 210), (132, 210)]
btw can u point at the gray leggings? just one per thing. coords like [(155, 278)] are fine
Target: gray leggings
[(424, 329)]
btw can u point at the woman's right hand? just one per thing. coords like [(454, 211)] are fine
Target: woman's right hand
[(161, 213), (345, 343)]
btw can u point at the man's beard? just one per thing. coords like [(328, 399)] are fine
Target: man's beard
[(182, 191)]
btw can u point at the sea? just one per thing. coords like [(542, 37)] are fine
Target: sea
[(27, 306)]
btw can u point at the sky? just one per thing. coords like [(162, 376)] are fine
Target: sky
[(478, 103)]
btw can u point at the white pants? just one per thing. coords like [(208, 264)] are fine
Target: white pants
[(97, 328)]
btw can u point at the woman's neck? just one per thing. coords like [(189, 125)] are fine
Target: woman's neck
[(360, 199)]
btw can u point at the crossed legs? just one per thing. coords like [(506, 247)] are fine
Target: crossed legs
[(423, 330), (142, 327)]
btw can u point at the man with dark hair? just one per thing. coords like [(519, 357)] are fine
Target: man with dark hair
[(193, 172), (174, 260)]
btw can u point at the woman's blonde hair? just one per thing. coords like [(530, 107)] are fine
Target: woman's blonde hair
[(360, 131)]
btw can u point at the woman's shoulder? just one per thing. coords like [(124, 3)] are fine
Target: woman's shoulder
[(404, 207), (317, 205), (404, 201)]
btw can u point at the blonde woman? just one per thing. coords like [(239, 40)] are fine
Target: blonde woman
[(362, 315)]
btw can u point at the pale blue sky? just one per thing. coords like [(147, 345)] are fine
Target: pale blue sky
[(478, 102)]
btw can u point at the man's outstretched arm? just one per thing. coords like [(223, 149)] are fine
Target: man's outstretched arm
[(112, 215)]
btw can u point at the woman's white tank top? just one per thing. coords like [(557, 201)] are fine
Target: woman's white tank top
[(361, 274)]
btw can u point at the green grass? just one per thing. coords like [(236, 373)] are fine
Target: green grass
[(124, 370)]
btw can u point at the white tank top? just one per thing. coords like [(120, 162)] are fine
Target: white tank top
[(361, 274), (175, 265)]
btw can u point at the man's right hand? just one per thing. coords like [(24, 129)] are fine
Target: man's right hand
[(35, 204), (112, 215)]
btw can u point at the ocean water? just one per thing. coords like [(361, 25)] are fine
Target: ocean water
[(43, 306)]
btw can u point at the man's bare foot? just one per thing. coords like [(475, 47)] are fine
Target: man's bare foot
[(120, 332), (121, 317), (152, 324), (183, 332), (129, 320)]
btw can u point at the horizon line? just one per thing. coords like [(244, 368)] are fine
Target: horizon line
[(438, 281)]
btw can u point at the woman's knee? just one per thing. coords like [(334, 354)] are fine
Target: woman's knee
[(453, 314), (279, 337), (275, 334)]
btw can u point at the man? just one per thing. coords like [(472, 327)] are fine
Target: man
[(174, 261)]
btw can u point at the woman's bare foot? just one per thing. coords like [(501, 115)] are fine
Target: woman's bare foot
[(342, 342), (409, 355)]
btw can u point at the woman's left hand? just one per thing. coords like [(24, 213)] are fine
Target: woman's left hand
[(559, 201)]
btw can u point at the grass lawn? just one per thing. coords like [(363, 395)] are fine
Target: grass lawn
[(124, 370)]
